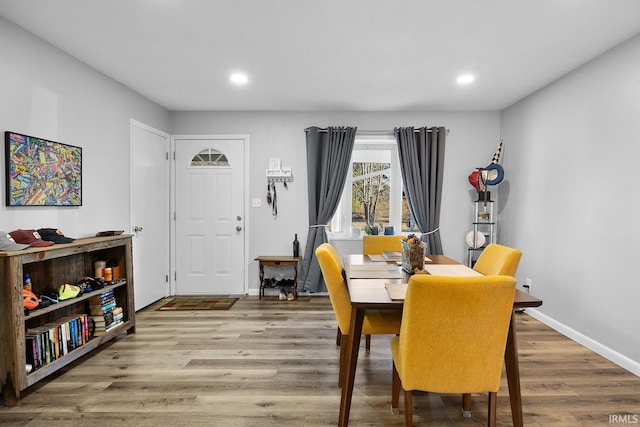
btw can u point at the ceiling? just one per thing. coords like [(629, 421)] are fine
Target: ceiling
[(344, 55)]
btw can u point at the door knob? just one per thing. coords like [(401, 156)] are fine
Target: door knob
[(238, 218), (238, 228), (137, 228)]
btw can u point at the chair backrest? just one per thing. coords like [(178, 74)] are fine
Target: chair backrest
[(454, 332), (497, 259), (375, 245), (333, 273)]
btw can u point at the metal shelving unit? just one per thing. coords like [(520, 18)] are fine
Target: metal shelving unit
[(484, 223)]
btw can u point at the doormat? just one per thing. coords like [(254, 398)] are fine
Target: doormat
[(200, 303)]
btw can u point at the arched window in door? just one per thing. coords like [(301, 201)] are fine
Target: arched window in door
[(210, 157)]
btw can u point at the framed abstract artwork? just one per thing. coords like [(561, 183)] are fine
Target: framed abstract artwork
[(40, 172)]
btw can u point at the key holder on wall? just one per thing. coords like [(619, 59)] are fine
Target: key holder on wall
[(276, 173)]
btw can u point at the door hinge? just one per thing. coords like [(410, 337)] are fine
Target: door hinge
[(166, 278), (167, 155), (175, 276), (174, 155)]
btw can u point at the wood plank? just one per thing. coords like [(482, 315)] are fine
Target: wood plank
[(275, 363)]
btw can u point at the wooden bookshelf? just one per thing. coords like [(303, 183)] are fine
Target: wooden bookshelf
[(49, 268)]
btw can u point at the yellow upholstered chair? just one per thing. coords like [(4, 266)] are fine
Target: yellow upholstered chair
[(375, 322), (453, 337), (498, 259), (495, 259), (375, 245)]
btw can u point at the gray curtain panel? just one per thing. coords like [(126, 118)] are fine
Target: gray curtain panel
[(421, 153), (328, 162)]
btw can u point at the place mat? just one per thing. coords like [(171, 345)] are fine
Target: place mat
[(374, 271), (397, 291), (199, 303), (398, 261), (450, 270), (392, 256)]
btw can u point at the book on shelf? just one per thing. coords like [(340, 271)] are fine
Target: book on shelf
[(118, 317), (107, 321), (101, 309), (32, 351), (98, 320), (105, 301), (49, 342)]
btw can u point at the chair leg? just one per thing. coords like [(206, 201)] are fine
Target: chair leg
[(367, 343), (408, 409), (338, 337), (466, 405), (491, 417), (395, 391), (343, 361)]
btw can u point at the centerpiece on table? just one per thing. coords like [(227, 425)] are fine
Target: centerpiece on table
[(413, 251)]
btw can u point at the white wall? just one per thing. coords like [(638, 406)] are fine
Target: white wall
[(46, 93), (573, 200), (471, 142)]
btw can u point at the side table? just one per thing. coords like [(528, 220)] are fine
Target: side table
[(279, 261)]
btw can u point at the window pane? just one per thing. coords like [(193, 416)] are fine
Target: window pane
[(370, 195), (209, 157)]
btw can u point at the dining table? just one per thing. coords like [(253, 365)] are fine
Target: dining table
[(366, 280)]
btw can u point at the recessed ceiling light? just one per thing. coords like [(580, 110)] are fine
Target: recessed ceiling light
[(465, 79), (239, 78)]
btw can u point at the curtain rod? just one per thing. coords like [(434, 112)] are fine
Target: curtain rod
[(372, 132)]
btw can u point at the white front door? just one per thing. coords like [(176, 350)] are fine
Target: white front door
[(149, 213), (209, 215)]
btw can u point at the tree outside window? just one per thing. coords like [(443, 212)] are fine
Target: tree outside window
[(370, 195), (373, 194)]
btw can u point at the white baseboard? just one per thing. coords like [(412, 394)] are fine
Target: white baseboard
[(604, 351)]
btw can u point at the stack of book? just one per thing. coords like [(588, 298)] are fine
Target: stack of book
[(53, 340), (104, 312)]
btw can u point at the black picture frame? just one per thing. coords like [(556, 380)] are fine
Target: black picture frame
[(40, 172)]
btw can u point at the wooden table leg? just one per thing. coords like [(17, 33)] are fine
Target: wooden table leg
[(466, 405), (261, 290), (513, 374), (295, 280), (353, 343)]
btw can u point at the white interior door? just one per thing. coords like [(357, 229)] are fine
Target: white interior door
[(149, 213), (209, 216)]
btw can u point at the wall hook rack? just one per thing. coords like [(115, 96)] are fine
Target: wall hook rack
[(277, 173)]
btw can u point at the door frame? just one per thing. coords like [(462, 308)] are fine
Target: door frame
[(172, 201)]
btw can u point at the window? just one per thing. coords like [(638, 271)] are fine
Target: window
[(373, 193), (209, 157)]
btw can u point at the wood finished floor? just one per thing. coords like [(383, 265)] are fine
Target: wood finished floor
[(275, 363)]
